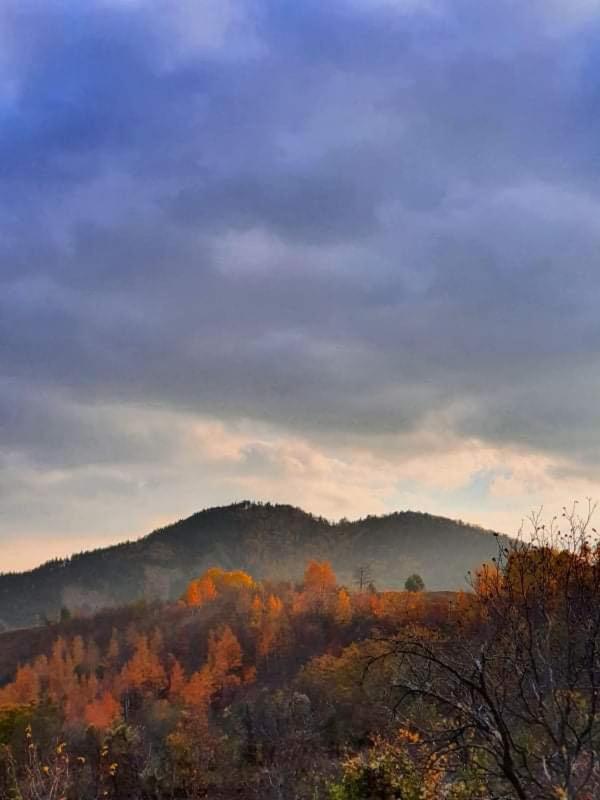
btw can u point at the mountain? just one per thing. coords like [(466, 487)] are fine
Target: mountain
[(264, 539)]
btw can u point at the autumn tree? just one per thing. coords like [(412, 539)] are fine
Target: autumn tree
[(198, 690), (192, 595), (515, 688), (224, 657), (213, 582), (274, 606), (25, 688), (176, 680), (392, 768), (267, 621), (102, 711), (200, 591), (343, 608), (319, 576), (62, 679), (144, 670), (233, 579)]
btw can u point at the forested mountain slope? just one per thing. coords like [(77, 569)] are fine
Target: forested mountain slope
[(263, 539)]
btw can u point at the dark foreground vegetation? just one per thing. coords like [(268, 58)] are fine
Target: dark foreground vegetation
[(247, 689)]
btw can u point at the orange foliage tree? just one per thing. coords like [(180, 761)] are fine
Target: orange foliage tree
[(102, 711), (144, 670), (274, 606), (257, 609), (200, 591), (319, 577), (343, 608), (199, 689), (24, 690), (177, 681), (224, 656)]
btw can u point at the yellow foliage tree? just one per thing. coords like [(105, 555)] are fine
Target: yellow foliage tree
[(235, 579), (214, 581)]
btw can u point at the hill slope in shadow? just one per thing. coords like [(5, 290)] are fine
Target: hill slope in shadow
[(264, 539)]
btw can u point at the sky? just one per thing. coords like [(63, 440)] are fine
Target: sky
[(342, 255)]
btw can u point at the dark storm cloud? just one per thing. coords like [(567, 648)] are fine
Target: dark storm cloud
[(341, 218)]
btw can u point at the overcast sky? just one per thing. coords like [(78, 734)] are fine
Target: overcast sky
[(341, 254)]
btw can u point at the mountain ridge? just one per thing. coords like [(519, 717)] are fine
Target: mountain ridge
[(267, 540)]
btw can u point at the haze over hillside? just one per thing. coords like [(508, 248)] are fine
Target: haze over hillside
[(267, 540)]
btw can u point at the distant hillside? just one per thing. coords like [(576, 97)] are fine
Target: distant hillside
[(266, 540)]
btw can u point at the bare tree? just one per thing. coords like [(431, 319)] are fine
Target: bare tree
[(363, 576), (512, 687)]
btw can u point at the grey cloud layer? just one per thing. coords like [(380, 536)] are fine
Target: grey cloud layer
[(343, 218)]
